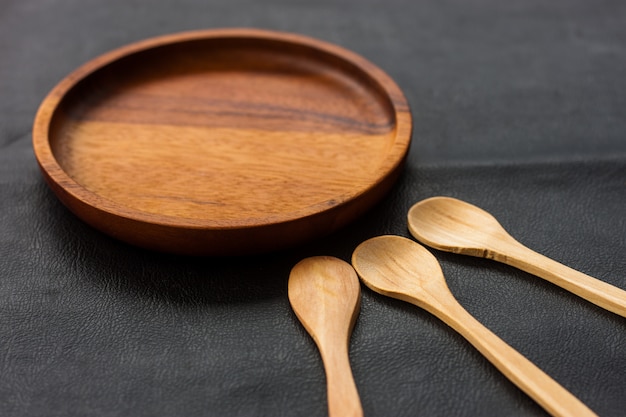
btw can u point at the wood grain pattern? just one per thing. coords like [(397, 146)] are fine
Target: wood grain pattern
[(224, 141), (455, 226), (401, 268)]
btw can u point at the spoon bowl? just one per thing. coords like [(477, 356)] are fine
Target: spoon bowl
[(453, 225), (403, 269)]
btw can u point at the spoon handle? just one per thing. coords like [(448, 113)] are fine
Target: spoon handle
[(591, 289), (341, 391), (555, 399)]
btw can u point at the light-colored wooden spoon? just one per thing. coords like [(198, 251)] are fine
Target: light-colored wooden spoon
[(455, 226), (404, 269), (325, 294)]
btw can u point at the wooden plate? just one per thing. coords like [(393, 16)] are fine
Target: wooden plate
[(222, 142)]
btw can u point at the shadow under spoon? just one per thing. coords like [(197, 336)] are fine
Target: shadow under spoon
[(401, 268), (453, 225), (325, 295)]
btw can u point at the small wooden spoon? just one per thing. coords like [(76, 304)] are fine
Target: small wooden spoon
[(403, 269), (325, 294), (455, 226)]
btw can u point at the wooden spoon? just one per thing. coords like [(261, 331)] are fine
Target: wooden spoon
[(403, 269), (455, 226), (325, 294)]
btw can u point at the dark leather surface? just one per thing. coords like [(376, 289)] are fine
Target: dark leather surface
[(519, 107)]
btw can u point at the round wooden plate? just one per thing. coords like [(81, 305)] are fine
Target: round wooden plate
[(222, 142)]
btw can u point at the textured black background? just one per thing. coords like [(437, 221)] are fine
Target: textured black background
[(519, 107)]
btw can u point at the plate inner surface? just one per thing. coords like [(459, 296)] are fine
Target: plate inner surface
[(224, 131)]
